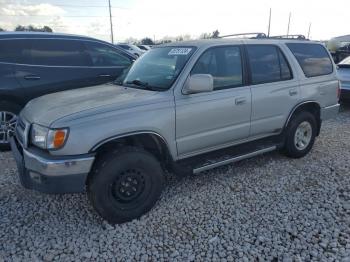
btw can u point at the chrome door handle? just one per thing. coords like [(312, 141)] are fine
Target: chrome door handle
[(293, 92), (32, 77), (104, 75), (240, 101)]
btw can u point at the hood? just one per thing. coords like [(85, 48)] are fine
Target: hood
[(49, 108)]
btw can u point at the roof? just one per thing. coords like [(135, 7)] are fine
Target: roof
[(231, 41), (11, 34)]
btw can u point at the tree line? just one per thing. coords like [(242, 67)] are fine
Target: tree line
[(143, 41)]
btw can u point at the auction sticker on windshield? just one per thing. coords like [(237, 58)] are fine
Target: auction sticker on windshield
[(180, 51)]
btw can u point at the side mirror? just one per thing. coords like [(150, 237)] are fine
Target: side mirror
[(199, 83)]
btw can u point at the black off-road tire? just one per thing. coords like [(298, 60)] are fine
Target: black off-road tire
[(115, 174), (12, 108), (290, 148)]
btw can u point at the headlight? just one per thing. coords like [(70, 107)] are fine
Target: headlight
[(46, 138)]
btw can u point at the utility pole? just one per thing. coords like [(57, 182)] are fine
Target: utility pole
[(308, 33), (268, 30), (110, 20), (290, 14)]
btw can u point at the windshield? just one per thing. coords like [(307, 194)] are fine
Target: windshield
[(158, 68)]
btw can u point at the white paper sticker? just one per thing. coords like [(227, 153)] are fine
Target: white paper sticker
[(180, 51)]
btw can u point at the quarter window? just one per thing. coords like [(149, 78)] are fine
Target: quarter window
[(313, 59), (11, 51), (267, 64), (104, 55), (224, 64)]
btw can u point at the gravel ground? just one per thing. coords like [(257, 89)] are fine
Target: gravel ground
[(269, 208)]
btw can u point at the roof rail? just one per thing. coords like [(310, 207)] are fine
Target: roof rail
[(252, 35), (296, 37)]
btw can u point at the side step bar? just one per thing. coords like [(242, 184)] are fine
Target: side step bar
[(233, 159)]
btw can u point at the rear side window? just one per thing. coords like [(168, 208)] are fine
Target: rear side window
[(313, 59), (11, 51), (104, 55), (224, 64), (55, 52), (267, 64)]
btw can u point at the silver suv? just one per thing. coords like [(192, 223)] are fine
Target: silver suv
[(185, 107)]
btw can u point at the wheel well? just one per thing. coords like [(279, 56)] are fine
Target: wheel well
[(312, 107), (149, 142)]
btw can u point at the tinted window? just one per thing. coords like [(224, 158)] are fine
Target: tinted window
[(267, 64), (224, 64), (313, 59), (53, 52), (11, 51), (104, 55)]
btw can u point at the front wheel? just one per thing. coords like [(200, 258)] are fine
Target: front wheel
[(8, 118), (125, 184), (300, 135)]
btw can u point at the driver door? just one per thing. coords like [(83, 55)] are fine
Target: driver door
[(212, 120)]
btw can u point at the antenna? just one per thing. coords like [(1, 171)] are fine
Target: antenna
[(290, 14), (268, 30)]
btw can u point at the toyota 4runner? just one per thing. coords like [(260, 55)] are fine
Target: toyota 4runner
[(183, 107)]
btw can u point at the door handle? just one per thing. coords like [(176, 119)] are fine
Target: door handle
[(32, 77), (240, 101), (104, 75), (293, 92)]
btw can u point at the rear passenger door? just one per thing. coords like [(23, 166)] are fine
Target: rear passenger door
[(275, 91), (108, 62), (206, 121), (52, 65)]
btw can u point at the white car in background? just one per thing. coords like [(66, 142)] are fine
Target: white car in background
[(344, 77), (144, 47), (132, 49)]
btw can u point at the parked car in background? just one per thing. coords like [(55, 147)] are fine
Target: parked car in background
[(344, 77), (144, 47), (132, 49), (35, 64), (183, 107)]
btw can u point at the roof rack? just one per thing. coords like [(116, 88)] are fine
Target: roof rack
[(296, 37), (246, 35)]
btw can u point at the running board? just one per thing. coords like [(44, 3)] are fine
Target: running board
[(233, 159)]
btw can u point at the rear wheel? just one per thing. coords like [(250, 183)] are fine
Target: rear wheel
[(300, 135), (8, 118), (125, 184)]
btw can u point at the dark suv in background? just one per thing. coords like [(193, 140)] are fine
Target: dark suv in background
[(35, 64)]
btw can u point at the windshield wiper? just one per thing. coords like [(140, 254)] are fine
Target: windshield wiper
[(145, 85)]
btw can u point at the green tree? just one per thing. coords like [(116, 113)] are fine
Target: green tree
[(32, 28), (146, 41)]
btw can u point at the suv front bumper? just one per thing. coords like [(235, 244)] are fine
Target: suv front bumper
[(45, 173)]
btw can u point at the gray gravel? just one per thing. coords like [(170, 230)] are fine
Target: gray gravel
[(269, 208)]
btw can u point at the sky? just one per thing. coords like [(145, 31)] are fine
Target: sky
[(159, 19)]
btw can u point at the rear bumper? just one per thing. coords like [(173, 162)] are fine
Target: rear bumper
[(329, 112), (45, 173)]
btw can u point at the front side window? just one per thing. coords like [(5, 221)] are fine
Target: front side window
[(267, 64), (104, 55), (224, 64), (158, 68), (56, 52), (313, 59)]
